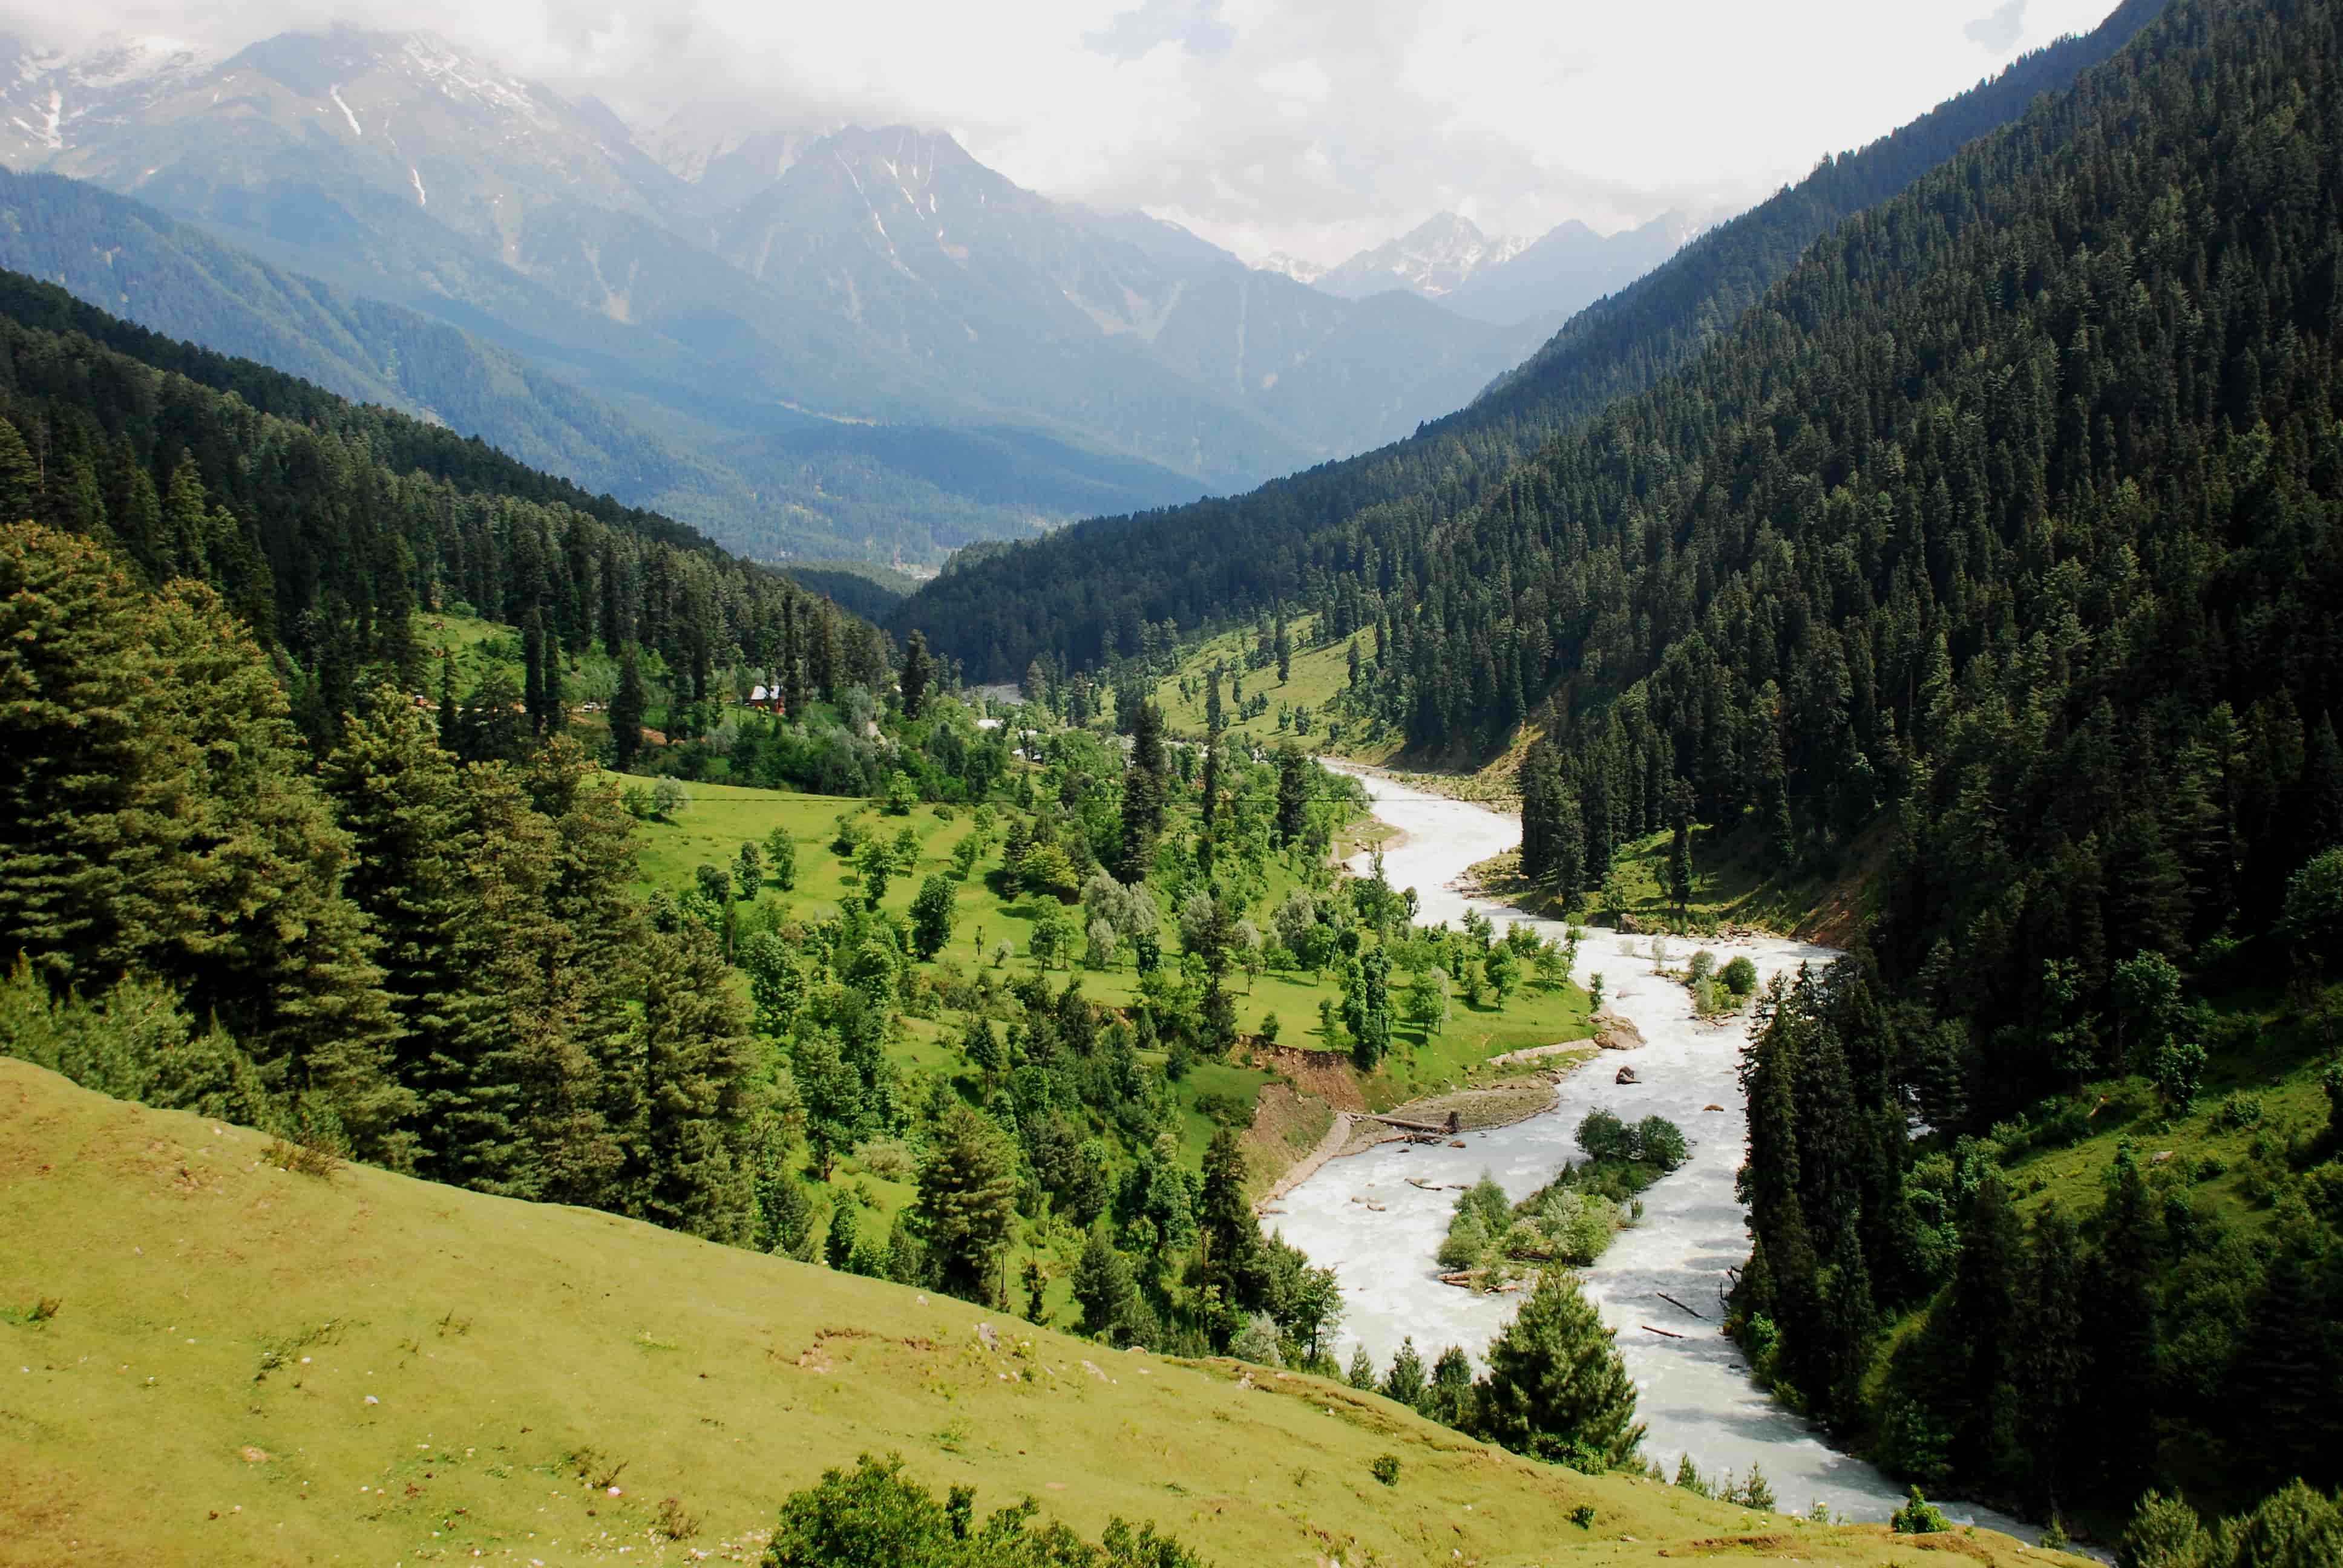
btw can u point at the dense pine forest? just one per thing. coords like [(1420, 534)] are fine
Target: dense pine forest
[(324, 525), (1122, 587), (319, 916), (1995, 549)]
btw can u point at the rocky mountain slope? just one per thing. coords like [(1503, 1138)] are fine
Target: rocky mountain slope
[(735, 288)]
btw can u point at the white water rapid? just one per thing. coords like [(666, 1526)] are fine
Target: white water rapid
[(1694, 1393)]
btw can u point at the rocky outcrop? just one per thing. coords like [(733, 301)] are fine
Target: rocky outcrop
[(1612, 1032)]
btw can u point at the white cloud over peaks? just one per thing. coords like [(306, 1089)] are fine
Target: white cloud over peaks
[(1313, 126)]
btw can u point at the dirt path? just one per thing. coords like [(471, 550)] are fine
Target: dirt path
[(1307, 1166)]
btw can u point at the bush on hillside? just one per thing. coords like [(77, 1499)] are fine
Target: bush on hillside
[(874, 1516)]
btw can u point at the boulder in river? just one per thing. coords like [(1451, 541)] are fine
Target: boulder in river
[(1626, 1075), (1612, 1032)]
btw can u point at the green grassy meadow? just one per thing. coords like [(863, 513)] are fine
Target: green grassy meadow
[(210, 1360)]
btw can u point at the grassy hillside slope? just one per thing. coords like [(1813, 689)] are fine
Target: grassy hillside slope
[(239, 1364)]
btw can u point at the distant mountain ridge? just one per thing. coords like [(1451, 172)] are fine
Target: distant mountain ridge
[(1500, 278), (171, 276), (761, 302), (1086, 594)]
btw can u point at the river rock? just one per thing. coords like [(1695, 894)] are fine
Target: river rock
[(1626, 1075), (1612, 1032)]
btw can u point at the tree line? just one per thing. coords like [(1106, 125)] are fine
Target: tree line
[(326, 526)]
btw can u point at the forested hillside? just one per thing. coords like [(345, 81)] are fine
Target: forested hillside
[(324, 524), (132, 261), (2004, 526), (257, 858), (1091, 593), (764, 480)]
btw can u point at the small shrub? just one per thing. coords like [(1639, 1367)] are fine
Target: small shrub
[(1385, 1469), (1257, 1341), (302, 1159), (1225, 1110), (673, 1520), (2237, 1112), (1662, 1142), (1584, 1516), (888, 1159), (1918, 1517), (1741, 975)]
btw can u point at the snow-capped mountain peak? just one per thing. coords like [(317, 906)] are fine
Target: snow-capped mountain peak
[(1294, 267), (1434, 258), (49, 94)]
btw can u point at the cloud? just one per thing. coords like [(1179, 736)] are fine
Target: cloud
[(1313, 126), (1995, 31), (1194, 24)]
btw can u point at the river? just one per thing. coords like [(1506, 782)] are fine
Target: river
[(1694, 1395)]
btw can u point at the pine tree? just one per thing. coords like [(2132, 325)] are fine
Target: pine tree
[(696, 1059), (1556, 1384), (20, 477), (1293, 771), (967, 1208), (186, 522), (1144, 786), (591, 902), (982, 1049), (1404, 1381), (1369, 1023), (626, 712), (157, 814), (2049, 1351), (518, 959), (1680, 846), (533, 662), (1112, 1310), (1982, 1319), (931, 916), (838, 1247), (450, 718), (1230, 1233), (917, 673), (403, 801)]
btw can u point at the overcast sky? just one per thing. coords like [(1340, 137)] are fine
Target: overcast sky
[(1312, 126)]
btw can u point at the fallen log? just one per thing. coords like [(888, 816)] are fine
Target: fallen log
[(1677, 1305), (1662, 1332)]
